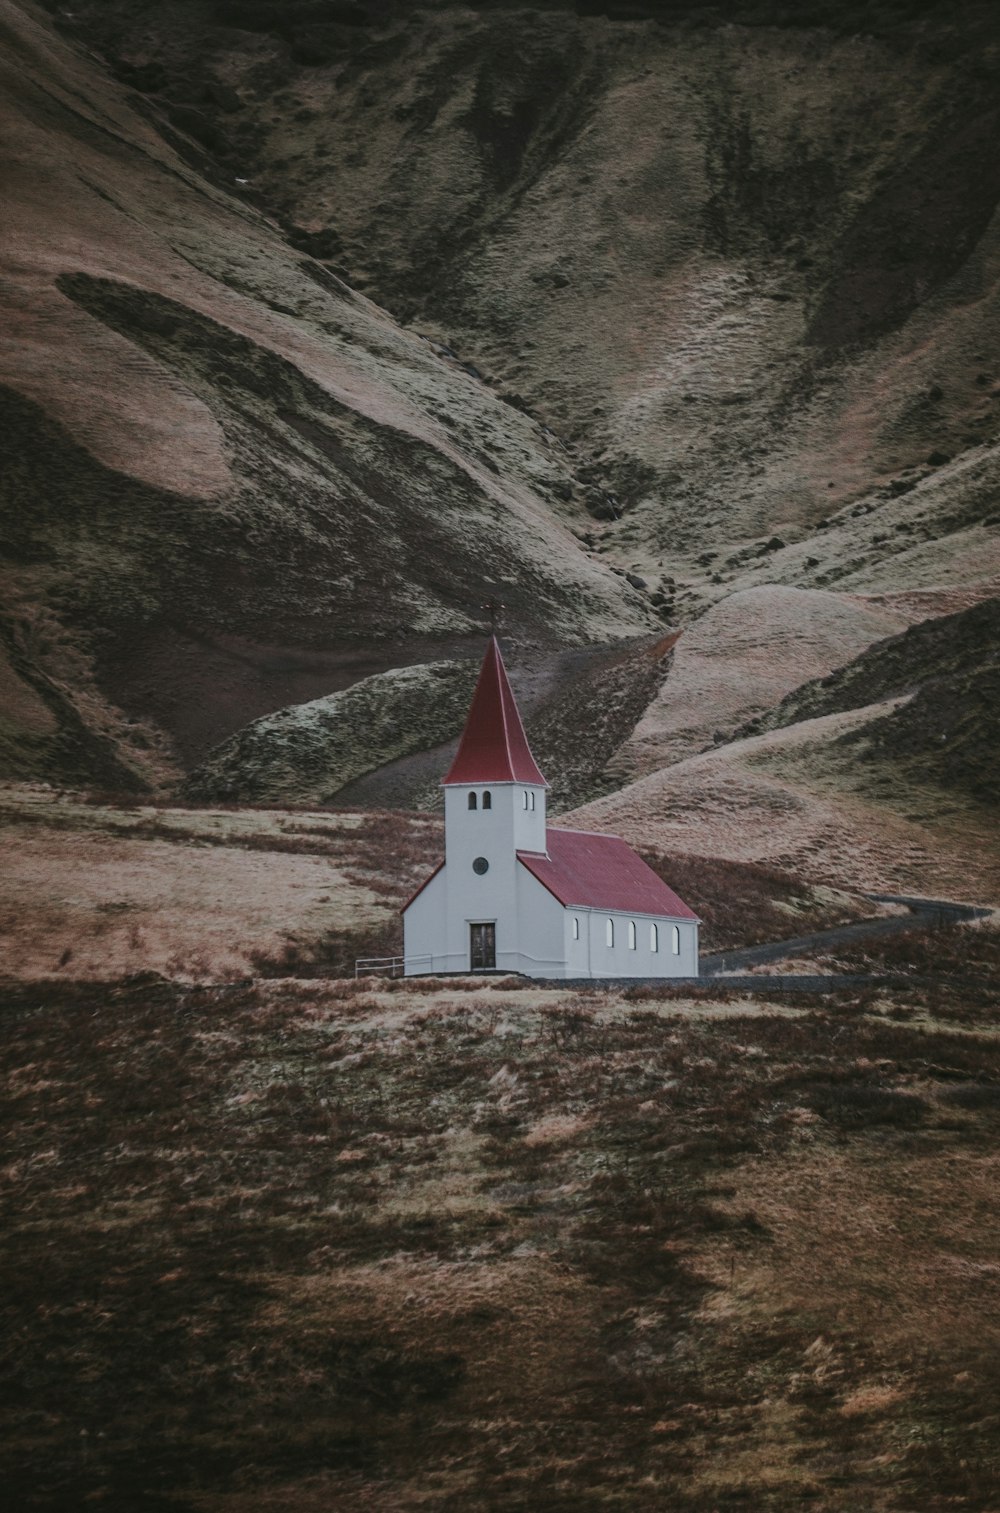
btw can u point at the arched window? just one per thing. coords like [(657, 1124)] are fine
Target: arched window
[(524, 799), (654, 939), (472, 801), (576, 928), (610, 932), (531, 801), (631, 934), (487, 800), (675, 940)]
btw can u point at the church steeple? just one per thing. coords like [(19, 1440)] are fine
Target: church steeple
[(494, 747), (514, 896)]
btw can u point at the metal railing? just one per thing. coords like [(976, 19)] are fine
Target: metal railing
[(398, 966), (391, 966)]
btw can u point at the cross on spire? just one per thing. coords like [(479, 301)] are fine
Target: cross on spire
[(493, 608)]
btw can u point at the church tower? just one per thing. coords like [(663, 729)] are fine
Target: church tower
[(514, 896), (494, 807)]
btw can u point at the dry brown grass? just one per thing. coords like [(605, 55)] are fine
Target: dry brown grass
[(787, 801), (746, 903), (741, 658), (955, 969), (97, 889), (962, 950), (303, 1245)]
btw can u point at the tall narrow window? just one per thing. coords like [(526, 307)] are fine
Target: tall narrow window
[(531, 801), (654, 939), (524, 799), (576, 928), (631, 934), (487, 800), (610, 932), (675, 940), (472, 801)]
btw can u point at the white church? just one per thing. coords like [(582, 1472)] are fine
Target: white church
[(513, 895)]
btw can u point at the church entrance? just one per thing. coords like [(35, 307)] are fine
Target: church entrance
[(483, 947)]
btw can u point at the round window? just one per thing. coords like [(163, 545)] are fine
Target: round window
[(480, 865)]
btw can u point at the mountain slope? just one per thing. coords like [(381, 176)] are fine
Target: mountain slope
[(743, 260), (799, 800), (310, 752), (739, 658), (701, 305), (882, 774), (229, 479), (944, 735)]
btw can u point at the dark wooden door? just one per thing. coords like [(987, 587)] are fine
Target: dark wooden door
[(483, 947)]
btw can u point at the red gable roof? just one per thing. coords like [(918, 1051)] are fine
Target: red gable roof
[(493, 748), (602, 872)]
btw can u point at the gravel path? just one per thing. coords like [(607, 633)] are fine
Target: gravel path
[(925, 912)]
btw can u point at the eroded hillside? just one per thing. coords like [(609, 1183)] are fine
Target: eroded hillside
[(742, 260), (231, 481), (333, 321)]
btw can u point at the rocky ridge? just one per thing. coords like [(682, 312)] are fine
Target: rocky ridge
[(308, 753)]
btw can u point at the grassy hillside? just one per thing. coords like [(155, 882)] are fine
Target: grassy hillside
[(739, 258), (97, 890), (691, 315), (817, 801), (298, 1246), (946, 732), (622, 245), (230, 481), (673, 328)]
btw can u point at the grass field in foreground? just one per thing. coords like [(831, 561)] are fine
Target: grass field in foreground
[(308, 1245)]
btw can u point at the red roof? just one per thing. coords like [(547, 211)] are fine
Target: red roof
[(601, 872), (493, 748)]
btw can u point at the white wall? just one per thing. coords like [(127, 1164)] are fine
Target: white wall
[(506, 823), (425, 931), (545, 921), (577, 951), (541, 929), (475, 898), (534, 933), (529, 823), (622, 961), (495, 834)]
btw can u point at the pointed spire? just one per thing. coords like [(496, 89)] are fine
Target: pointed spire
[(494, 747)]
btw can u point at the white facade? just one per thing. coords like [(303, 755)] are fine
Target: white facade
[(507, 818), (533, 932), (514, 896), (636, 952)]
